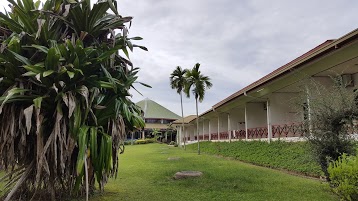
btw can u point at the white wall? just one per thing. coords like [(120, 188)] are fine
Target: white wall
[(206, 127), (214, 125), (223, 122), (284, 108), (191, 131), (237, 119), (256, 115)]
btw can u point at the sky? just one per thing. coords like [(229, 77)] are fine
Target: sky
[(236, 41)]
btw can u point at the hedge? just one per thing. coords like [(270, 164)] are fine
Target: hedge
[(291, 156)]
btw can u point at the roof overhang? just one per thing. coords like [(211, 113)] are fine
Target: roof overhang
[(329, 55)]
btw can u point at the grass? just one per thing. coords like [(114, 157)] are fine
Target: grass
[(145, 173), (292, 156)]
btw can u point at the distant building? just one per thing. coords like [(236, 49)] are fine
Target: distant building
[(187, 121), (156, 117)]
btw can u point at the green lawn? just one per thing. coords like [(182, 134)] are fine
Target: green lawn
[(145, 173)]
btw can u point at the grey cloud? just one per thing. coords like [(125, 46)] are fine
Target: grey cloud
[(236, 42)]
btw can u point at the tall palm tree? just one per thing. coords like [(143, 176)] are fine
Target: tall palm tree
[(177, 81), (197, 83)]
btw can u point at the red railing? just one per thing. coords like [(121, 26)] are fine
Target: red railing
[(288, 130), (224, 135), (206, 137), (240, 134), (259, 132), (214, 136)]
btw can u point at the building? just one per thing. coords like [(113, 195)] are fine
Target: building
[(262, 110), (156, 117), (188, 120)]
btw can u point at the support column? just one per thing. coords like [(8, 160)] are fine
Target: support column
[(269, 128), (132, 137), (229, 126), (309, 113), (218, 127), (179, 135), (203, 129), (186, 135), (209, 130), (142, 134), (246, 122)]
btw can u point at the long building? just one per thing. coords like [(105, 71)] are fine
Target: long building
[(264, 109)]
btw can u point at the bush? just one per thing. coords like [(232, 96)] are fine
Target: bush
[(331, 111), (141, 142), (150, 140), (173, 143), (293, 156), (344, 177)]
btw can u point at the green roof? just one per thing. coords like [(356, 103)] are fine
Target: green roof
[(153, 110)]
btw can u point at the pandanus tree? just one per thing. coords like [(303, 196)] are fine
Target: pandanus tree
[(197, 83), (177, 81), (64, 100)]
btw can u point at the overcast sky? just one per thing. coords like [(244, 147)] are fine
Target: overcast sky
[(235, 41)]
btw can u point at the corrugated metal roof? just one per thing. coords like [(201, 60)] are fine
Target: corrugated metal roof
[(154, 110)]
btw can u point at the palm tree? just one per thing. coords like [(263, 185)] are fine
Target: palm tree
[(157, 134), (177, 81), (197, 83)]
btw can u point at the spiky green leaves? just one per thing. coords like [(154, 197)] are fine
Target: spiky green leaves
[(64, 100)]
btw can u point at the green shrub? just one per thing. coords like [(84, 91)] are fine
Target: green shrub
[(344, 177), (141, 142), (293, 156), (150, 140)]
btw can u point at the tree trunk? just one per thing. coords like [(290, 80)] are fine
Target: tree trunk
[(182, 123), (132, 133), (197, 125)]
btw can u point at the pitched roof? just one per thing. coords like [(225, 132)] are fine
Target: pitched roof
[(156, 126), (187, 119), (273, 75), (154, 110), (325, 48)]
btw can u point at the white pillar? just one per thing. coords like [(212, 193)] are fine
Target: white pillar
[(209, 131), (229, 126), (143, 135), (186, 134), (203, 128), (246, 122), (269, 128), (180, 135), (218, 127), (309, 112)]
